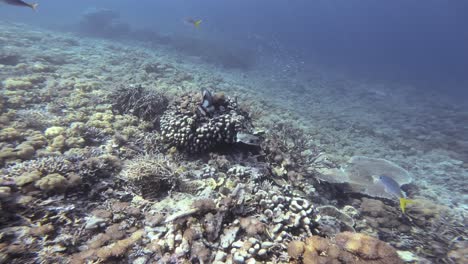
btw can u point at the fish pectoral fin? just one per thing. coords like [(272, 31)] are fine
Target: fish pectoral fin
[(34, 6), (197, 23), (404, 202)]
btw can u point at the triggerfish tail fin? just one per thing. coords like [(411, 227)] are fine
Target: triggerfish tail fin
[(197, 23), (34, 6), (403, 203)]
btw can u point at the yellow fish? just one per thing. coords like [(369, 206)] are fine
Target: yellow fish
[(392, 187), (194, 22), (404, 202)]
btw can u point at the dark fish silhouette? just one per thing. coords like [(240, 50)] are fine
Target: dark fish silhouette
[(33, 6)]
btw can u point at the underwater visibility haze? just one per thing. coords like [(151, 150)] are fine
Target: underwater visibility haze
[(233, 131)]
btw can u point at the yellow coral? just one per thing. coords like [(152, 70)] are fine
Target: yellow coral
[(54, 131), (51, 182), (9, 133), (58, 143), (24, 150), (27, 177), (17, 83)]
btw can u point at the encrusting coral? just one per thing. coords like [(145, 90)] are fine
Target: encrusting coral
[(346, 247)]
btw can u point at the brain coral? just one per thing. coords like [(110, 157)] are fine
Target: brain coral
[(346, 247), (360, 173)]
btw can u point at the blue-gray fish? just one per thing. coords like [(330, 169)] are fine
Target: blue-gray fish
[(33, 6), (392, 187)]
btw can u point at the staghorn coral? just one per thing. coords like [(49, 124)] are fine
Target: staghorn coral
[(150, 176), (186, 128), (291, 150), (144, 103), (35, 118), (94, 168), (346, 247), (46, 165)]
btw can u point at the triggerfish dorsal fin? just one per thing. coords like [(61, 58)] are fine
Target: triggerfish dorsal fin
[(403, 203), (197, 23)]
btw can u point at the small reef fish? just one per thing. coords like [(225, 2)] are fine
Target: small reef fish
[(194, 22), (392, 187), (33, 6)]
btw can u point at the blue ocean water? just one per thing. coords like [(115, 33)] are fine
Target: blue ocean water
[(105, 136), (417, 42)]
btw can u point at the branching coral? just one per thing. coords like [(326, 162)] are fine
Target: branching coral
[(146, 104), (45, 166), (36, 119), (289, 148), (98, 167), (150, 175)]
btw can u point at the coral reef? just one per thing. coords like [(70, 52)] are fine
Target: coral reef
[(88, 175)]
